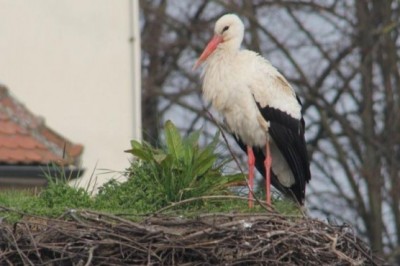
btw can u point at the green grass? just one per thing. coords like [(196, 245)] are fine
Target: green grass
[(57, 199), (51, 202), (15, 199), (179, 178)]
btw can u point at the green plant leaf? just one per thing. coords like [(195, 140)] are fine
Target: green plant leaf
[(142, 154), (142, 151), (173, 140), (159, 158), (136, 144), (190, 146), (192, 139), (204, 162)]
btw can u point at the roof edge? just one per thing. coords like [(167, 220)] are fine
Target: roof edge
[(39, 171)]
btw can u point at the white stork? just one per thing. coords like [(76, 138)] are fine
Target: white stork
[(260, 109)]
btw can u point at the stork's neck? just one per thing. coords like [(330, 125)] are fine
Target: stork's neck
[(218, 79), (225, 53), (221, 60), (232, 45)]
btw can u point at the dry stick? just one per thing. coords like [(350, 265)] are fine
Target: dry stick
[(273, 213), (21, 254), (116, 218), (209, 229), (33, 242), (360, 249), (266, 207), (90, 258), (174, 204), (340, 254), (9, 262)]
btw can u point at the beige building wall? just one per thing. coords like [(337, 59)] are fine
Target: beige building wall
[(69, 61)]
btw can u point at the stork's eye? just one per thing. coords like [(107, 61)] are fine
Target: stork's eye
[(225, 29)]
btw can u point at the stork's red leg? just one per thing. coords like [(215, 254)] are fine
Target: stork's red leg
[(267, 164), (251, 162)]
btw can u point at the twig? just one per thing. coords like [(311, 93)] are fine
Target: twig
[(34, 243), (174, 204), (90, 258), (21, 254)]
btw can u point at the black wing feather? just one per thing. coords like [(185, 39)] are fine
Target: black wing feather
[(288, 134)]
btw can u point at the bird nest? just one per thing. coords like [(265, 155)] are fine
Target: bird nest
[(92, 238)]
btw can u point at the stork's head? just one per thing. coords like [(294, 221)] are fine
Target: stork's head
[(228, 34)]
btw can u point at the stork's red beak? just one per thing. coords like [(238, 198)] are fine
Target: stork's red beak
[(211, 46)]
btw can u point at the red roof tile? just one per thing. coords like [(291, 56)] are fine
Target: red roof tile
[(25, 139)]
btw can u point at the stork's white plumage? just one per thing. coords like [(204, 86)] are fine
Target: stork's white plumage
[(260, 108)]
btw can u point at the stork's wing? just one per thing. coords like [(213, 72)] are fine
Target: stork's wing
[(288, 134), (292, 149)]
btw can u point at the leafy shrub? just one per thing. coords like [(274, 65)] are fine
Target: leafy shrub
[(59, 194), (179, 171), (65, 196)]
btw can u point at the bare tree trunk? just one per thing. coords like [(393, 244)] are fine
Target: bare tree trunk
[(371, 164), (251, 12), (152, 44), (387, 59)]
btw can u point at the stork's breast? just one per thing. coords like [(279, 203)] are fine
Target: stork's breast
[(250, 127)]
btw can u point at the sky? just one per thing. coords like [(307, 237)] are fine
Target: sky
[(69, 62)]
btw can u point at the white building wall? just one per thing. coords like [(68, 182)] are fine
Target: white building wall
[(69, 61)]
